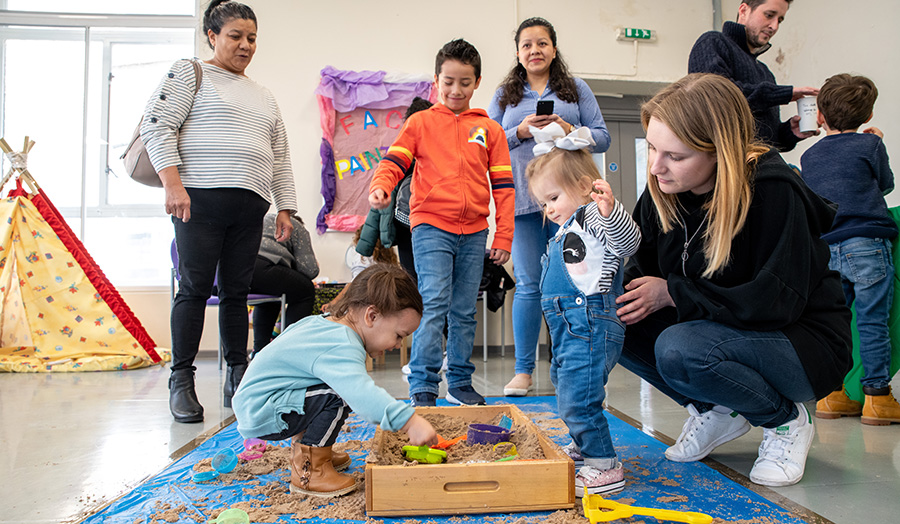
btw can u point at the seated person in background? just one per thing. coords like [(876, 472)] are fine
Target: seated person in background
[(282, 268), (357, 262)]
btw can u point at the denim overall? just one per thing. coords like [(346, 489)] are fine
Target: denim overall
[(587, 341)]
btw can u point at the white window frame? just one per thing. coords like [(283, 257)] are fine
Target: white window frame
[(17, 24)]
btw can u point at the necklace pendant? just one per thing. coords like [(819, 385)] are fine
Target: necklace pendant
[(684, 255)]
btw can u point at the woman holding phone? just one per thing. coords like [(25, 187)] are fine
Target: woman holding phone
[(537, 91)]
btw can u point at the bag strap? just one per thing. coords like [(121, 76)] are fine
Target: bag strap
[(198, 75)]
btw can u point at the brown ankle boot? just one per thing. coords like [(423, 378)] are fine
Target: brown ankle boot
[(837, 404), (880, 407), (313, 474), (339, 460)]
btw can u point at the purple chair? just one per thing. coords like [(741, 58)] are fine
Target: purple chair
[(252, 299)]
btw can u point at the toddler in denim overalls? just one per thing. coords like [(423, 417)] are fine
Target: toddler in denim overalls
[(579, 285)]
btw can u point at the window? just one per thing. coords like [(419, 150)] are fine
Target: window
[(118, 7), (77, 86)]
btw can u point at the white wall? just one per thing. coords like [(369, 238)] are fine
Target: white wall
[(827, 37), (297, 39)]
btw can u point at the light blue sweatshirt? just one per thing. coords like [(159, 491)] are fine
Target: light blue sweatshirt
[(312, 351)]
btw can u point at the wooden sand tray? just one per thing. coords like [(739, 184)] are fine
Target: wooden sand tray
[(453, 489)]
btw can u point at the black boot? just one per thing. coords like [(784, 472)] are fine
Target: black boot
[(183, 401), (233, 377)]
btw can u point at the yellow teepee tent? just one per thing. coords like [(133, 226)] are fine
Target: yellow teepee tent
[(58, 311)]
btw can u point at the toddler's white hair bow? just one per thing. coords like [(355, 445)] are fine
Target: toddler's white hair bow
[(552, 135)]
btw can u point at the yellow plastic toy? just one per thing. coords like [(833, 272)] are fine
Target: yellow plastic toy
[(425, 454), (599, 509)]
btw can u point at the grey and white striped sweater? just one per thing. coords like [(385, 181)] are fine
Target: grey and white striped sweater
[(230, 135)]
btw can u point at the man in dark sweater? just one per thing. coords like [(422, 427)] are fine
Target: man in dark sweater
[(733, 53)]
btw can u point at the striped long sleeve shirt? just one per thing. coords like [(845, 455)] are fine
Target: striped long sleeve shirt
[(229, 135), (594, 246)]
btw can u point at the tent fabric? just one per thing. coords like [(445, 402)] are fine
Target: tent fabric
[(59, 311), (852, 380)]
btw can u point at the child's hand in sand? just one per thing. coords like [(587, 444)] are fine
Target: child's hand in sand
[(420, 431)]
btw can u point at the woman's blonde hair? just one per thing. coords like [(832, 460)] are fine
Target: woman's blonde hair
[(574, 171), (708, 113)]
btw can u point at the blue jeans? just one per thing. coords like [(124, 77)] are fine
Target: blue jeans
[(449, 268), (705, 363), (529, 244), (587, 342), (867, 270)]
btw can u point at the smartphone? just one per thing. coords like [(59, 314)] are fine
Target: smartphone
[(544, 107)]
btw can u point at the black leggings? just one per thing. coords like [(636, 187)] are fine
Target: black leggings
[(275, 279)]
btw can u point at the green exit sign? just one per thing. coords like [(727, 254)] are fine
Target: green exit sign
[(633, 33)]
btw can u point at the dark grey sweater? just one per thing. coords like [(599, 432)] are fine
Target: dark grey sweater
[(726, 53)]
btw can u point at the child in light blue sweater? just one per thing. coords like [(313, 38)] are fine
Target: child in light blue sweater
[(305, 383)]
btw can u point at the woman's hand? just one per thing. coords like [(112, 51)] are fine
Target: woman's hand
[(283, 225), (178, 202), (643, 296), (603, 196), (420, 431), (538, 121)]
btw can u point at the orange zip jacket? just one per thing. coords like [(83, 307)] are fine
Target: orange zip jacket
[(461, 160)]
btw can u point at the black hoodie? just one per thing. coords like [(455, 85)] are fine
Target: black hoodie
[(777, 278)]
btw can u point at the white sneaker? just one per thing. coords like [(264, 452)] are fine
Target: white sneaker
[(782, 454), (703, 433)]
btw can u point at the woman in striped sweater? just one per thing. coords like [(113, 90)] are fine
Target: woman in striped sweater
[(223, 158)]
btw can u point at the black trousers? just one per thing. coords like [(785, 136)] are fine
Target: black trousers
[(275, 279), (324, 413), (222, 236)]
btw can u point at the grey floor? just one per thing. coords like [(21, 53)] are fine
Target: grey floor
[(71, 443)]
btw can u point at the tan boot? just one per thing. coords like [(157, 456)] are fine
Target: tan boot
[(880, 408), (339, 460), (837, 404), (312, 473)]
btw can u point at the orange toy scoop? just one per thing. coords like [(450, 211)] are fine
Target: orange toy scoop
[(444, 443)]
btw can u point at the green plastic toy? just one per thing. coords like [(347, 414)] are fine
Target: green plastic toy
[(425, 454)]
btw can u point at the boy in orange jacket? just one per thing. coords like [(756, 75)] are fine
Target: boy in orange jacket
[(462, 159)]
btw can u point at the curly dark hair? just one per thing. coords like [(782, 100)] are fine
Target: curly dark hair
[(561, 80)]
